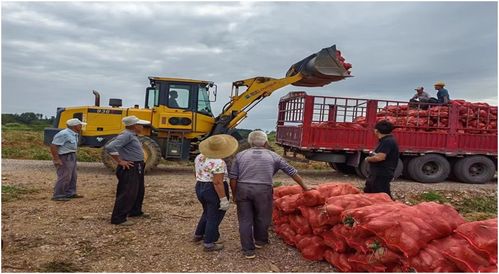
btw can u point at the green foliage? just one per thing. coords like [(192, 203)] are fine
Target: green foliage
[(486, 204), (277, 184), (27, 118), (432, 196), (11, 192)]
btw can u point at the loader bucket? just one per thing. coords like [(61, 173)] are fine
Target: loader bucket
[(320, 69)]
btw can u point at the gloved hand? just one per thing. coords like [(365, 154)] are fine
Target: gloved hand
[(224, 204)]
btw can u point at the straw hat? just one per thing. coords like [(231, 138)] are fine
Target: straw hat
[(219, 146), (439, 83)]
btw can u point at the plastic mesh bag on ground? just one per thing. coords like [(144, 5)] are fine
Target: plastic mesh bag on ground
[(288, 203), (336, 205), (299, 224), (312, 248), (431, 259), (286, 232), (461, 253), (318, 196), (286, 190), (482, 235), (338, 260), (411, 228)]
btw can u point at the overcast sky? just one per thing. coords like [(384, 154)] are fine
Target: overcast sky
[(54, 54)]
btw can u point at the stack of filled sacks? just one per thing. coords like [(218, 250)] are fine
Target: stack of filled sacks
[(474, 118), (371, 233)]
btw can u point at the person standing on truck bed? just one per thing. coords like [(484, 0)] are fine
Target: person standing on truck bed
[(251, 183), (383, 163), (63, 150), (127, 151)]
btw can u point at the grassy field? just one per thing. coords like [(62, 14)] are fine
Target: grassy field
[(26, 142), (21, 142)]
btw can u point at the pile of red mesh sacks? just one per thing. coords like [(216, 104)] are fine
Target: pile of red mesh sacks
[(474, 118), (359, 232)]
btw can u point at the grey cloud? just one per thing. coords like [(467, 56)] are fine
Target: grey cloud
[(55, 53)]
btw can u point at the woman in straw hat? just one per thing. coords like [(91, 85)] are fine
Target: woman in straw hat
[(212, 189)]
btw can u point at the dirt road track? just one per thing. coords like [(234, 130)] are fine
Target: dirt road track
[(39, 234)]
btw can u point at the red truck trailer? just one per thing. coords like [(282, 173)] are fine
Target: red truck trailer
[(457, 141)]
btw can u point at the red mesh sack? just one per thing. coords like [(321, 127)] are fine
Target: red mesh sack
[(316, 216), (336, 205), (279, 217), (352, 217), (482, 235), (338, 260), (312, 198), (312, 248), (286, 190), (288, 203), (335, 241), (487, 269), (461, 253), (336, 189), (379, 261), (299, 224), (286, 233), (430, 259), (411, 228)]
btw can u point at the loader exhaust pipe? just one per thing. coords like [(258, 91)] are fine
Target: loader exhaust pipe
[(321, 68), (97, 98)]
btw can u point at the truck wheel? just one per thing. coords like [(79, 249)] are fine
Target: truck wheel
[(474, 169), (343, 168), (363, 169), (430, 168), (152, 154)]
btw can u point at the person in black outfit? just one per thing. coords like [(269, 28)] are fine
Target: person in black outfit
[(383, 162), (126, 150)]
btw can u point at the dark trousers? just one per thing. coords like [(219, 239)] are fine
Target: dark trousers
[(376, 183), (254, 213), (65, 185), (212, 216), (130, 193)]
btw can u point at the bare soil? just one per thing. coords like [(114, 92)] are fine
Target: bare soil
[(40, 235)]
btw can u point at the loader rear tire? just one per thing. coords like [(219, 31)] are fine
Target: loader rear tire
[(152, 154), (474, 169)]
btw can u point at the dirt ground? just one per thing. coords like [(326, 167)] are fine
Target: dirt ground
[(40, 235)]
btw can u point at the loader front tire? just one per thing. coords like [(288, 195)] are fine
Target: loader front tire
[(152, 154)]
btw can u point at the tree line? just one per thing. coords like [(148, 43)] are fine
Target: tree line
[(27, 118)]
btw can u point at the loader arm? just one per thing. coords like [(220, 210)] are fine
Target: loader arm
[(316, 70)]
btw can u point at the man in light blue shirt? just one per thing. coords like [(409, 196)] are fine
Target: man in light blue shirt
[(63, 150)]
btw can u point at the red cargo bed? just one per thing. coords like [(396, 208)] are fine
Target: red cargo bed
[(321, 123)]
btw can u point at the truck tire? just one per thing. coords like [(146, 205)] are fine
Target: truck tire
[(363, 169), (474, 169), (152, 154), (343, 168), (430, 168)]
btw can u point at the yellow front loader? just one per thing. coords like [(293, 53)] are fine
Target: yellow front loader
[(180, 110)]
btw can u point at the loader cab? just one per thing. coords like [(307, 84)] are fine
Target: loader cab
[(181, 94)]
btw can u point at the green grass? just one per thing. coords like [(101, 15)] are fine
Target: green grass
[(26, 142), (472, 208), (11, 192)]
